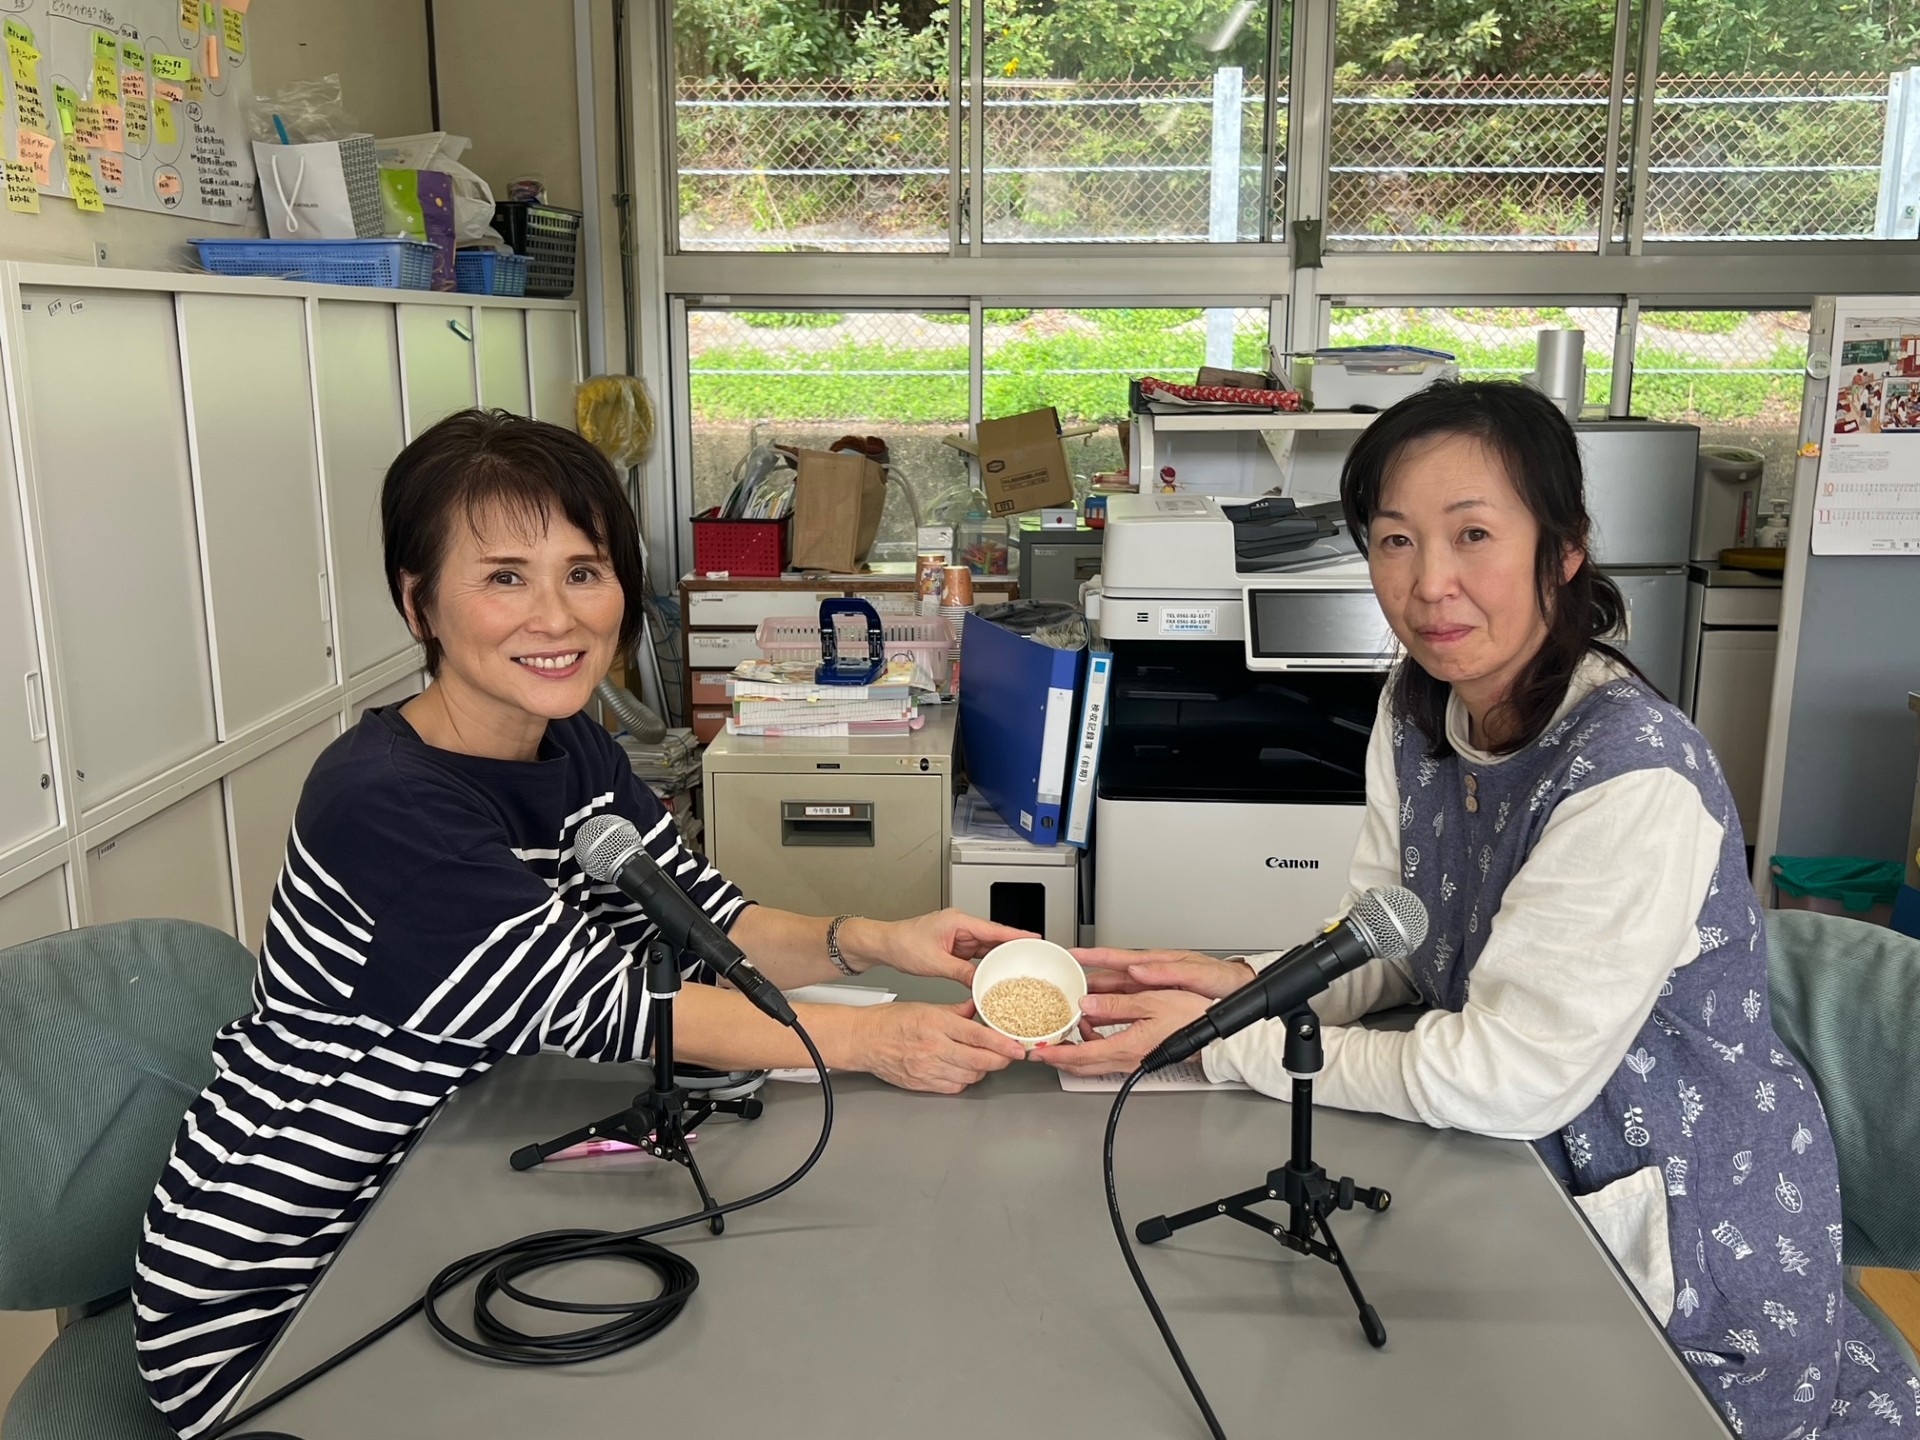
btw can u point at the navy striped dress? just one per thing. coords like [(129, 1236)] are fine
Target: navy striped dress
[(429, 920)]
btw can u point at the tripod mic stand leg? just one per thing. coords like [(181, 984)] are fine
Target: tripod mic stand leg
[(1370, 1323)]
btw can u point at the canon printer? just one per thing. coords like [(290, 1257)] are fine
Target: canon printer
[(1248, 659)]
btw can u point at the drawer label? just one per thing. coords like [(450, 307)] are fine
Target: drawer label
[(829, 812)]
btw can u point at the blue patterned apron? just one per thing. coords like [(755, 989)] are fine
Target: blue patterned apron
[(1706, 1092)]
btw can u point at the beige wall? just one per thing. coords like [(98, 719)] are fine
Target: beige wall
[(508, 83), (377, 47)]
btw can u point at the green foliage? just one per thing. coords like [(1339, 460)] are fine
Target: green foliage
[(1695, 322), (792, 319)]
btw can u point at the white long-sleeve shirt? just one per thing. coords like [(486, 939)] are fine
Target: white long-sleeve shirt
[(1569, 974)]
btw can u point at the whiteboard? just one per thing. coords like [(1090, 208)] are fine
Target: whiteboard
[(133, 103)]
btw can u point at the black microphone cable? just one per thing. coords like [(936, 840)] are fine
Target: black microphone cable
[(499, 1269), (1133, 1264)]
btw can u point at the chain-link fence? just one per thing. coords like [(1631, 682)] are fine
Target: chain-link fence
[(1737, 374), (1511, 164)]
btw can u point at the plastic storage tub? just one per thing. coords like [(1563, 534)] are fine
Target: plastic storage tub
[(488, 272), (392, 264), (549, 237), (1837, 885), (756, 548), (929, 639)]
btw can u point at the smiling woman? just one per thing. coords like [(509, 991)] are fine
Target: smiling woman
[(432, 918), (517, 567)]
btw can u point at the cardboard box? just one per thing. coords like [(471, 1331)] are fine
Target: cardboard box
[(1023, 465)]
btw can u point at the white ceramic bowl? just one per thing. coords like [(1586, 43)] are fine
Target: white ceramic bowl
[(1041, 960)]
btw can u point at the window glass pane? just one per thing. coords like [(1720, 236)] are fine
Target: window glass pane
[(811, 125), (1455, 128), (1142, 121), (1080, 362), (1769, 123), (1737, 374), (806, 378), (1497, 343)]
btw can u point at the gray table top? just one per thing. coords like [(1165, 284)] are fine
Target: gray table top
[(948, 1271)]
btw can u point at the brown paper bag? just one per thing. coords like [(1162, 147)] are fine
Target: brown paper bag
[(837, 499)]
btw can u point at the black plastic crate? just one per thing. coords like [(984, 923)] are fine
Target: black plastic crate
[(549, 237)]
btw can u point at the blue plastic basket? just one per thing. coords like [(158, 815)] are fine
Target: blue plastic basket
[(395, 264), (489, 272)]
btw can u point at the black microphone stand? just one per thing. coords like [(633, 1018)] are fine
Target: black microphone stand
[(662, 1117), (1310, 1196)]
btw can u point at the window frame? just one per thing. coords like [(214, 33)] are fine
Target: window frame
[(1285, 272)]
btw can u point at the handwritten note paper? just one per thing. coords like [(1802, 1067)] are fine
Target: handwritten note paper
[(36, 153), (166, 184), (139, 126), (23, 196), (164, 130), (236, 28), (30, 111), (89, 126), (113, 128), (67, 102), (133, 85), (86, 194), (190, 16), (132, 57), (171, 67), (113, 174)]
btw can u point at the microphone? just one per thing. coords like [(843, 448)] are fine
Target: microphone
[(609, 849), (1387, 922)]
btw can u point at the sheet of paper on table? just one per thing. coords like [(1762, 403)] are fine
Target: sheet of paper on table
[(1187, 1075)]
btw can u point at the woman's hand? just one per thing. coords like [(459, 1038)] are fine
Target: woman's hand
[(1131, 971), (941, 1048), (1150, 1017), (943, 944)]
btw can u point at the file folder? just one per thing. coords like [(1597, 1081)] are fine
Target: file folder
[(1086, 765), (1016, 724)]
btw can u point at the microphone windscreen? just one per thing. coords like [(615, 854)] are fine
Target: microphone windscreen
[(1393, 920), (604, 843)]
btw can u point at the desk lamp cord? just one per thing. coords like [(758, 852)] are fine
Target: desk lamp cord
[(1133, 1265), (499, 1268)]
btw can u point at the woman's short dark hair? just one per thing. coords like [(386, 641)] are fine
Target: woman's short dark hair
[(475, 460), (1537, 446)]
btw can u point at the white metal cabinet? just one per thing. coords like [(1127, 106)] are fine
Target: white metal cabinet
[(261, 798), (553, 353), (106, 418), (172, 863), (436, 356), (27, 805), (37, 908), (502, 339), (1732, 695), (250, 398), (357, 364)]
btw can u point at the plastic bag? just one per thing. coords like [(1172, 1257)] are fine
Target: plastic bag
[(311, 111), (472, 196), (614, 414)]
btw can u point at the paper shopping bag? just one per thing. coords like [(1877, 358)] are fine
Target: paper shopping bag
[(837, 500), (328, 190)]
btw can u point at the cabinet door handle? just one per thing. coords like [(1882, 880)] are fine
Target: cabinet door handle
[(36, 707)]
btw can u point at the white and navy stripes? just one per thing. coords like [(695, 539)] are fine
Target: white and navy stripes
[(429, 920)]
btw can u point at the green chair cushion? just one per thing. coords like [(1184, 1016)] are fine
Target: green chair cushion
[(106, 1037), (1846, 999), (86, 1387)]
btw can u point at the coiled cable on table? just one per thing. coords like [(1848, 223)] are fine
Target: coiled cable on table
[(628, 1322)]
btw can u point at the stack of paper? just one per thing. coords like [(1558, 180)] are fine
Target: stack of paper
[(773, 698)]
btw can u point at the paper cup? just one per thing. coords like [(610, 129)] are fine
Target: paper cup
[(1041, 960)]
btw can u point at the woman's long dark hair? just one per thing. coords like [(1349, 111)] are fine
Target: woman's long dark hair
[(1542, 459)]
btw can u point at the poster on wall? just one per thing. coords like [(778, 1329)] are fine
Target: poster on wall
[(1867, 498), (133, 103)]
